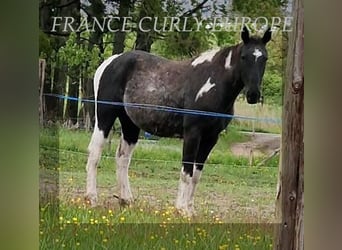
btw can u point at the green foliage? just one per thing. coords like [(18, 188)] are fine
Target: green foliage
[(252, 8), (108, 50), (45, 47), (226, 38), (178, 45), (272, 87), (273, 78), (129, 42), (72, 54), (93, 60), (75, 56)]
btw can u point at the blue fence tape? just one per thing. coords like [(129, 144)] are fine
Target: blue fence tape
[(168, 109)]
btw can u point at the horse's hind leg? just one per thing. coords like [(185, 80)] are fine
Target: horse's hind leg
[(95, 148), (129, 138)]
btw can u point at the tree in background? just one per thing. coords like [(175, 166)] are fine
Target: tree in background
[(149, 8), (56, 77), (177, 45), (266, 8), (125, 7), (72, 58)]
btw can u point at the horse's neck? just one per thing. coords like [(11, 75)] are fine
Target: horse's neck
[(232, 84), (231, 92)]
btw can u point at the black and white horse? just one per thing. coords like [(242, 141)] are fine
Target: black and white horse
[(210, 82)]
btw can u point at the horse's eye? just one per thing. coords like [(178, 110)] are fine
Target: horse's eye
[(243, 57)]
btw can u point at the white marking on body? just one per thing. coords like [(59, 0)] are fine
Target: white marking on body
[(257, 53), (95, 149), (98, 75), (123, 158), (151, 88), (100, 70), (228, 65), (205, 88), (186, 191), (205, 56)]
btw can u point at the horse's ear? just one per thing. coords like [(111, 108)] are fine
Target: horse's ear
[(267, 36), (245, 35)]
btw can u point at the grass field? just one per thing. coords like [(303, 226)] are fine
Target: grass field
[(269, 117), (234, 202)]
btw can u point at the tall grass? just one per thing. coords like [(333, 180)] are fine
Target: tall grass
[(269, 115)]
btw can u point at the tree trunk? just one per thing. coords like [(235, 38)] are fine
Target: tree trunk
[(120, 36), (144, 39), (62, 8), (88, 108), (54, 106), (71, 107), (96, 9), (290, 197)]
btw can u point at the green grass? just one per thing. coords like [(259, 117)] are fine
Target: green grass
[(272, 113), (234, 202)]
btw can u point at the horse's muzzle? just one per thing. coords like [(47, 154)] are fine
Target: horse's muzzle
[(253, 97)]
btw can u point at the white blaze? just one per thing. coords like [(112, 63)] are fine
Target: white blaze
[(205, 56), (205, 88), (228, 65), (257, 53)]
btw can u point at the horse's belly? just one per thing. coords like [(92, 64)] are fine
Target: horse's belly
[(152, 117), (157, 122)]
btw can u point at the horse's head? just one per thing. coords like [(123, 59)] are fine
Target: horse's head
[(252, 63)]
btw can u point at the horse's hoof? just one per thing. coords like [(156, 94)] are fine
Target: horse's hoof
[(90, 200), (125, 202), (186, 212)]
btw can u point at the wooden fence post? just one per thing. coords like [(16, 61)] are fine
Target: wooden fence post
[(42, 66), (290, 197)]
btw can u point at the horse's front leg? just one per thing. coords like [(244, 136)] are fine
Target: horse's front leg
[(188, 177)]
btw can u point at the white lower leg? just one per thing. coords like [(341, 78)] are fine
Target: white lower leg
[(186, 191), (123, 158), (183, 191), (95, 148), (194, 181)]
